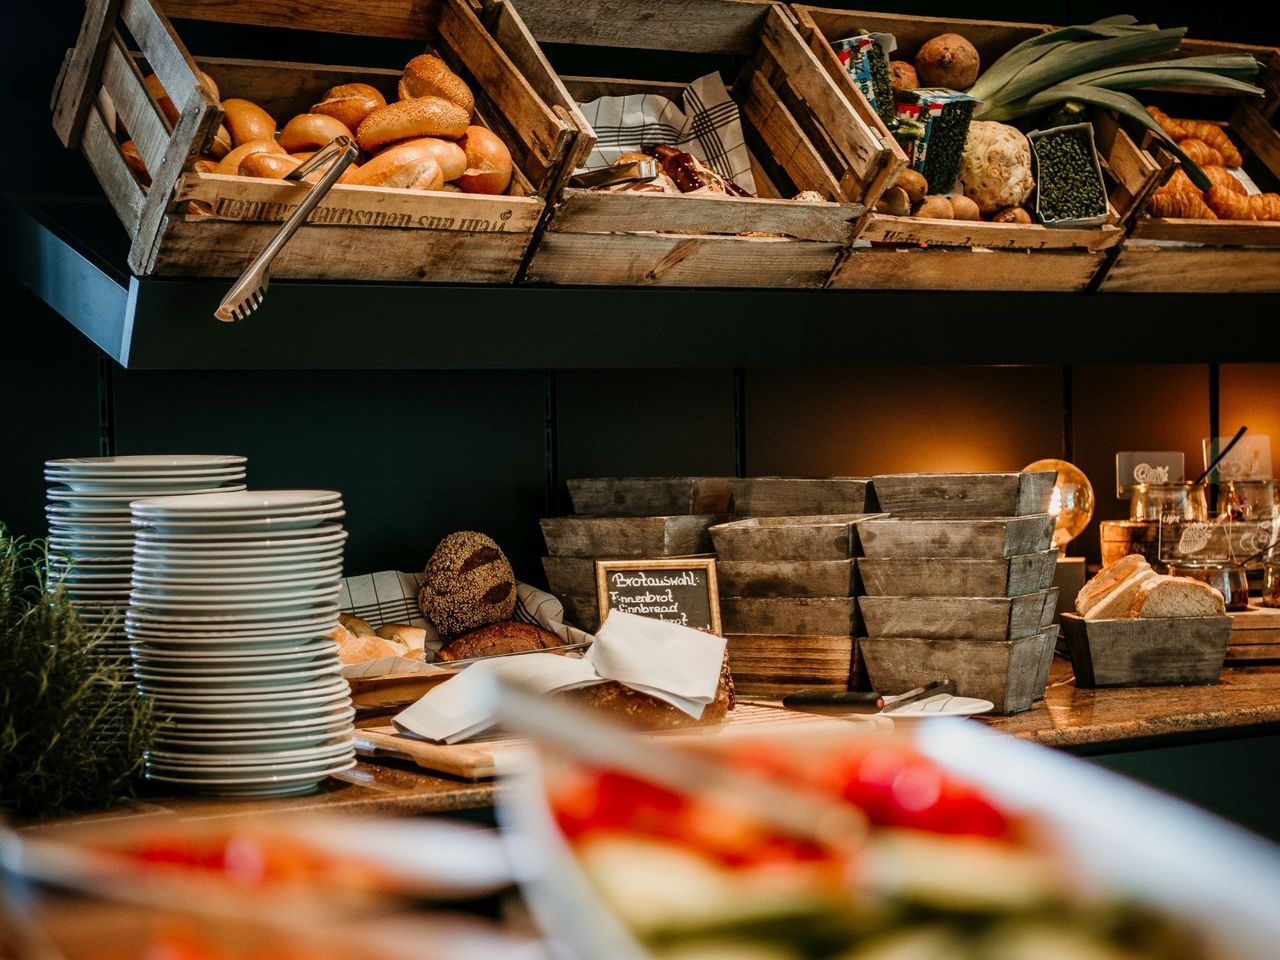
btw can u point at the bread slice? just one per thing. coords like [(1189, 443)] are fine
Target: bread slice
[(1093, 591), (1116, 604), (1163, 597)]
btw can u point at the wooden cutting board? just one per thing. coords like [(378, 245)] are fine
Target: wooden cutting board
[(480, 759)]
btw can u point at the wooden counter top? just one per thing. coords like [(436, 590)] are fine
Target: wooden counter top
[(1069, 717)]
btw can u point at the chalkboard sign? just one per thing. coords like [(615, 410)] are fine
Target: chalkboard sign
[(677, 591)]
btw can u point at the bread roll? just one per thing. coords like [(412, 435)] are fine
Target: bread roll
[(350, 103), (369, 648), (211, 84), (488, 162), (468, 583), (413, 638), (340, 634), (1163, 597), (230, 164), (311, 131), (1104, 582), (270, 166), (409, 120), (220, 145), (205, 164), (161, 97), (409, 170), (133, 160), (429, 76), (357, 625), (498, 639), (451, 157), (247, 121)]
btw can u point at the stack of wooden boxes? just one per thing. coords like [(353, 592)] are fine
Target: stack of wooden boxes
[(617, 518), (788, 583), (958, 585)]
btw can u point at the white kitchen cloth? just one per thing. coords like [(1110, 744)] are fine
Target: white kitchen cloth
[(709, 126), (666, 660), (462, 707), (391, 596)]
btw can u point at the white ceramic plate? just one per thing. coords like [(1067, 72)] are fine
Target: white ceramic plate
[(264, 525), (256, 725), (219, 773), (943, 705), (294, 694), (259, 786), (146, 486), (239, 540), (263, 560), (263, 620), (176, 520), (101, 498), (267, 715), (131, 463), (281, 759), (239, 743), (152, 676), (247, 579), (191, 645), (197, 659), (204, 610), (253, 501)]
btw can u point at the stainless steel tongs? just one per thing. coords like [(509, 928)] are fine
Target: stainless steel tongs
[(247, 293)]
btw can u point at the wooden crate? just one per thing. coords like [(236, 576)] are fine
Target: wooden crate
[(774, 666), (938, 495), (913, 254), (1227, 256), (787, 578), (650, 496), (790, 616), (1131, 653), (1009, 673), (617, 538), (1255, 636), (944, 577), (977, 618), (366, 233), (810, 539), (804, 134), (979, 539)]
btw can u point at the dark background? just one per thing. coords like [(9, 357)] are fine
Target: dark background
[(420, 453)]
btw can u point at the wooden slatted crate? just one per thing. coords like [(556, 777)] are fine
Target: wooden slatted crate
[(804, 134), (916, 254), (368, 233), (1212, 256)]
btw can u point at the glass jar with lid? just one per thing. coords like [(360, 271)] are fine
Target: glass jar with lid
[(1271, 582), (1240, 500), (1168, 502)]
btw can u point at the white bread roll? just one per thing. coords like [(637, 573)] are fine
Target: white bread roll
[(358, 626), (369, 648), (414, 638)]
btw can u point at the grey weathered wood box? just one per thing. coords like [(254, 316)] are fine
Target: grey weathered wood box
[(787, 578), (650, 496), (790, 616), (974, 539), (1122, 653), (621, 537), (948, 577), (974, 495), (975, 618), (799, 496), (808, 538)]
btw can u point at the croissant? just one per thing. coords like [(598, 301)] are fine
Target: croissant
[(1172, 127), (1201, 154), (1215, 137), (1183, 205), (1222, 177), (1228, 205), (1265, 206)]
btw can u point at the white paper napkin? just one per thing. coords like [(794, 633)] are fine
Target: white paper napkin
[(673, 663), (462, 707)]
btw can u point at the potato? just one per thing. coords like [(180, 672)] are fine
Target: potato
[(936, 207), (965, 209), (1011, 215), (902, 75), (948, 60), (914, 184)]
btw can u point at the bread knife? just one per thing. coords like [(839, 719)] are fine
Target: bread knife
[(856, 701)]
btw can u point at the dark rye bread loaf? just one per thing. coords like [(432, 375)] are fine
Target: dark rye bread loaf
[(468, 584), (497, 639)]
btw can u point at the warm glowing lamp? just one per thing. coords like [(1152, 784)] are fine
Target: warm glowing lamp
[(1071, 504)]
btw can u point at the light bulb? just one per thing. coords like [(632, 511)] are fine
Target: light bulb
[(1071, 504)]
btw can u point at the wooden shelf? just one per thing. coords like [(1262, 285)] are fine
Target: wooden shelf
[(70, 253)]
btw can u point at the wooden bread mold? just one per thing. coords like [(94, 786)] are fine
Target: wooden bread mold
[(924, 254), (1219, 255), (803, 133), (946, 495), (776, 539), (622, 537), (977, 618), (195, 223), (948, 577), (966, 539), (790, 616), (1122, 653), (774, 666), (801, 496), (650, 496), (787, 578), (1010, 673)]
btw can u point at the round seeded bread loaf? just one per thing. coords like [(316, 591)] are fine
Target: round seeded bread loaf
[(468, 584)]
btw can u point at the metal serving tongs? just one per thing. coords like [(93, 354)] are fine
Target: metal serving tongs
[(247, 293), (639, 171)]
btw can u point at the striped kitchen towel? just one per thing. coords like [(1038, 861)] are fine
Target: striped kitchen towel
[(708, 126)]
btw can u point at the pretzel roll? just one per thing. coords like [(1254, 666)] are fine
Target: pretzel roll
[(428, 76), (247, 121), (411, 119), (270, 166), (451, 157), (220, 145), (161, 97), (408, 165), (350, 103), (230, 164), (488, 162), (310, 131)]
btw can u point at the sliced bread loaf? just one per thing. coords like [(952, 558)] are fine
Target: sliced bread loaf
[(1162, 597), (1096, 589), (1116, 604)]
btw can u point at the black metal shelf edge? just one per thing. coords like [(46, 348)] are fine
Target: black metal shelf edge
[(168, 323)]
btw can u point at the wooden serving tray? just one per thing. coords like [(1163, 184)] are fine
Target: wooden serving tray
[(947, 577), (977, 618), (809, 538), (965, 539), (1131, 653), (937, 495)]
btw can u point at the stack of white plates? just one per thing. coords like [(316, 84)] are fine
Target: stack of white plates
[(90, 533), (232, 597)]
